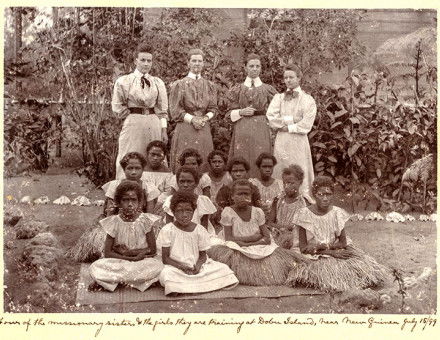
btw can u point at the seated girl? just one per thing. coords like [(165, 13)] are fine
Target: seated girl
[(191, 158), (187, 180), (321, 231), (217, 161), (184, 244), (248, 248), (155, 170), (285, 206), (133, 164), (268, 186), (129, 245)]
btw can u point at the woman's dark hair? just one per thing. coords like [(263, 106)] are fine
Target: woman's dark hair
[(189, 170), (217, 153), (238, 160), (132, 155), (238, 182), (125, 186), (183, 197), (195, 51), (322, 182), (157, 144), (294, 68), (252, 56), (265, 155), (142, 48), (294, 170), (190, 153)]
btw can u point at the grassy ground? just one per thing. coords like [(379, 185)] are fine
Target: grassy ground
[(409, 246)]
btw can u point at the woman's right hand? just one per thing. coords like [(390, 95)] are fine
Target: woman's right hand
[(247, 111)]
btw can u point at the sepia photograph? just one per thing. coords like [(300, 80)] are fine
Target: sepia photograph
[(220, 160)]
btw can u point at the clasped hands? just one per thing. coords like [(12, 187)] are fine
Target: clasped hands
[(326, 249), (247, 111), (199, 122), (136, 254)]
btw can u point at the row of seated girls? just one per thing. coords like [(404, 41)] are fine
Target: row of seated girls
[(221, 229)]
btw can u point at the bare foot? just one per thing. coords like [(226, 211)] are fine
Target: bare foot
[(95, 287)]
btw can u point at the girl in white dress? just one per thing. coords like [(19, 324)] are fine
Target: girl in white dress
[(187, 180), (191, 157), (184, 244), (338, 266), (129, 246), (291, 116), (248, 248), (268, 186), (133, 164)]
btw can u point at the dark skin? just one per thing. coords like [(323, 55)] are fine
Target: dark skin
[(323, 197), (266, 171), (155, 159), (186, 182), (129, 212), (183, 214), (192, 162), (241, 196), (216, 168)]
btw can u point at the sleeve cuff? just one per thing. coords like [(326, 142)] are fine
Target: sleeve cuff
[(288, 119), (163, 123), (187, 118), (235, 115), (210, 115), (292, 128)]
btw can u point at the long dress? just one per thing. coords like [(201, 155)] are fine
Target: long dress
[(109, 272), (298, 115), (251, 135), (257, 264), (185, 247), (195, 97), (330, 273), (138, 129)]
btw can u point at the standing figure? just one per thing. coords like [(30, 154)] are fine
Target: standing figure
[(291, 115), (193, 103), (141, 100), (247, 110)]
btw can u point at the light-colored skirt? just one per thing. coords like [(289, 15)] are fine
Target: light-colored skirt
[(136, 133), (186, 136), (212, 276), (293, 148), (109, 272), (251, 137)]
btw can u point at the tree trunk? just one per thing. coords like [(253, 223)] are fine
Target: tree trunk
[(18, 33), (58, 120)]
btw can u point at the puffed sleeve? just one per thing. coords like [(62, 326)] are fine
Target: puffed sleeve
[(309, 113), (273, 113), (205, 206), (167, 206), (341, 217), (271, 92), (161, 107), (151, 190), (205, 181), (204, 242), (212, 103), (119, 99), (259, 216), (109, 224), (177, 111), (164, 237), (226, 217), (110, 188)]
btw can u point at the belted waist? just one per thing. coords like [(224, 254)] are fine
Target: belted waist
[(259, 113), (142, 110), (198, 113)]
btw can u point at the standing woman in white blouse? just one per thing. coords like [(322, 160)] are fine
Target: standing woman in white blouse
[(142, 101), (291, 115)]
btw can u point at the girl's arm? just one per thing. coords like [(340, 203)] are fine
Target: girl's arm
[(151, 205), (264, 237), (202, 259), (206, 191), (319, 249), (166, 259), (109, 252), (240, 240), (342, 241)]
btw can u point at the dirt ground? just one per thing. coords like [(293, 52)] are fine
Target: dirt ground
[(409, 247)]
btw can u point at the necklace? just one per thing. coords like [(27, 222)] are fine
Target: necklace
[(129, 218)]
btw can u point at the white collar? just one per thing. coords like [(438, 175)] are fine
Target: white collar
[(137, 73), (257, 82), (193, 75)]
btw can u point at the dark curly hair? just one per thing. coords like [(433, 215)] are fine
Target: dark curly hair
[(322, 182), (190, 153), (132, 155), (240, 182), (125, 186), (294, 170), (238, 160), (217, 153), (157, 144), (265, 155), (190, 170), (183, 197)]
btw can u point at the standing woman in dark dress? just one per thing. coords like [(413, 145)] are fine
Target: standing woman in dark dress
[(248, 103), (193, 103)]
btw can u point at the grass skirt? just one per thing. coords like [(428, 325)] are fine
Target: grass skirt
[(333, 274), (90, 246), (269, 271)]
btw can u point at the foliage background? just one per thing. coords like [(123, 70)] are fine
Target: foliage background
[(365, 135)]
